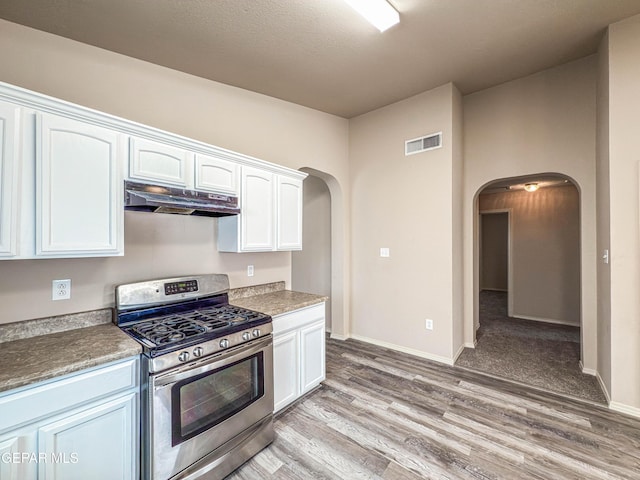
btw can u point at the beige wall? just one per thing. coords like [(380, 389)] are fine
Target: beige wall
[(404, 204), (545, 252), (311, 267), (494, 250), (253, 124), (545, 122), (603, 217), (624, 112), (457, 162)]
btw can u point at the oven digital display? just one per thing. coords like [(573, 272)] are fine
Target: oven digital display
[(180, 287)]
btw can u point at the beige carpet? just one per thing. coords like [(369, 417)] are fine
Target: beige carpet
[(538, 354)]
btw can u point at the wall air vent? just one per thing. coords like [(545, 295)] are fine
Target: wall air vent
[(422, 144)]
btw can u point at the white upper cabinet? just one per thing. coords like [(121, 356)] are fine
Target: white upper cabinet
[(289, 213), (216, 174), (155, 162), (62, 171), (252, 230), (79, 188), (257, 208), (271, 214), (9, 121)]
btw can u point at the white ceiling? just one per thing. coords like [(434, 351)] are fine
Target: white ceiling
[(322, 54)]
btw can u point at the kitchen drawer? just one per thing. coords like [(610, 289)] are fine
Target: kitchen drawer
[(29, 404), (298, 318)]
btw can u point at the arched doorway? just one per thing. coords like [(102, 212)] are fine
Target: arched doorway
[(311, 267), (527, 285), (325, 192)]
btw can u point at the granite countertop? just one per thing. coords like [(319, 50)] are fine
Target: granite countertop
[(43, 355), (273, 299), (35, 350)]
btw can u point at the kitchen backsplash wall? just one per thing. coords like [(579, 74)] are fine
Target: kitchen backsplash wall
[(156, 245)]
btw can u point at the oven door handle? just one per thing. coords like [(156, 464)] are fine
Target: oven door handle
[(219, 360)]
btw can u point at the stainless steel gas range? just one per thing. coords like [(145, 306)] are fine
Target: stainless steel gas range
[(207, 374)]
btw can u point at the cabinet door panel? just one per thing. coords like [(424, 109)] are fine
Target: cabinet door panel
[(158, 163), (312, 354), (289, 214), (97, 443), (285, 369), (14, 448), (216, 175), (257, 210), (78, 189), (9, 121)]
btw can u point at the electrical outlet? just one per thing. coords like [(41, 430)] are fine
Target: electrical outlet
[(250, 271), (428, 324), (61, 289), (384, 252)]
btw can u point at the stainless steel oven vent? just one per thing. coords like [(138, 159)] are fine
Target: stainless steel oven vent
[(423, 144)]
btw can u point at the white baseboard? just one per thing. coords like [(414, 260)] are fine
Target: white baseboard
[(622, 408), (471, 345), (604, 389), (455, 357), (399, 348), (337, 336), (587, 371), (545, 320)]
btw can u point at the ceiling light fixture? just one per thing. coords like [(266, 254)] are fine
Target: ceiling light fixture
[(531, 187), (379, 13)]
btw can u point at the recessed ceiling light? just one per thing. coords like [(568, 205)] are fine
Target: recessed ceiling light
[(531, 187), (377, 12)]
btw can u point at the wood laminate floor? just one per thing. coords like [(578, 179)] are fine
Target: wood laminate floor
[(382, 414)]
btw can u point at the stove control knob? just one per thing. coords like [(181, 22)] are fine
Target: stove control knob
[(256, 332), (198, 351), (183, 357), (224, 343), (246, 336)]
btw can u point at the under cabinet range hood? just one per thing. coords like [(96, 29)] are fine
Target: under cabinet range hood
[(160, 199)]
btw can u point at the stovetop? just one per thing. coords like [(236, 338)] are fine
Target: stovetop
[(168, 329), (201, 324)]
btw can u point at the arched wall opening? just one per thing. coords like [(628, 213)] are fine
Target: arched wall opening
[(326, 192), (544, 247)]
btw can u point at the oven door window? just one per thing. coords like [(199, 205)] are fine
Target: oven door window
[(202, 402)]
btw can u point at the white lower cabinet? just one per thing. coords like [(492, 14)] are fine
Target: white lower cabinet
[(298, 353), (286, 363), (12, 447), (83, 425)]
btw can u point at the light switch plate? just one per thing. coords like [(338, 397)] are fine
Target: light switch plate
[(384, 252)]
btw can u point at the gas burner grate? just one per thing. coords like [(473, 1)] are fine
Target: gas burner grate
[(176, 327), (169, 329)]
